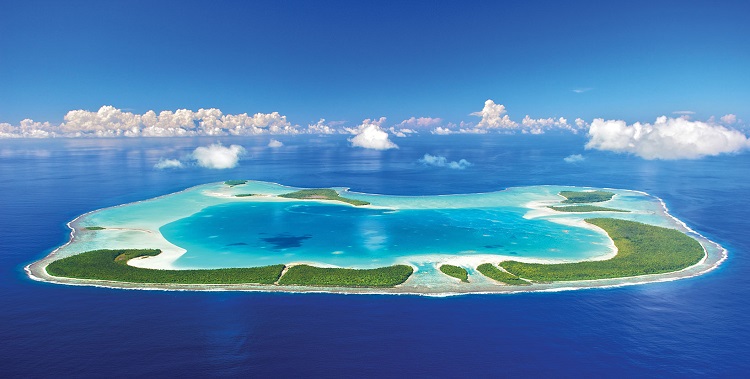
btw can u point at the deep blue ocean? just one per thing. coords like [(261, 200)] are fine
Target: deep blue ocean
[(686, 328)]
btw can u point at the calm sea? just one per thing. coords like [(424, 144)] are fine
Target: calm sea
[(692, 327)]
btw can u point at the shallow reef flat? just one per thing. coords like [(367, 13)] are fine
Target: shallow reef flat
[(260, 236)]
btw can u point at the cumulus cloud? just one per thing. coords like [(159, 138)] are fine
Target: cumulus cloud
[(216, 156), (29, 129), (275, 144), (168, 163), (6, 130), (442, 131), (370, 135), (413, 125), (574, 158), (323, 127), (493, 117), (366, 122), (729, 119), (420, 122), (109, 121), (401, 132), (540, 125), (667, 138), (441, 161)]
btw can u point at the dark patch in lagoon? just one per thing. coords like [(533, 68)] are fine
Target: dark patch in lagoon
[(285, 240), (492, 246), (237, 244)]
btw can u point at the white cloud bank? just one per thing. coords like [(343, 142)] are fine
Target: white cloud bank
[(414, 125), (323, 127), (275, 144), (420, 122), (216, 156), (109, 121), (443, 131), (441, 161), (370, 135), (541, 125), (495, 119), (667, 138)]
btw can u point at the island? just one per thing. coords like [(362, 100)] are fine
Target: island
[(491, 271), (459, 273), (112, 265), (642, 249), (322, 194), (256, 236), (306, 275), (586, 196)]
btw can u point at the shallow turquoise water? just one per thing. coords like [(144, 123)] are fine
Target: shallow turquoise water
[(209, 227), (257, 233)]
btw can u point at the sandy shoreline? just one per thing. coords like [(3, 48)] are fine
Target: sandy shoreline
[(415, 285)]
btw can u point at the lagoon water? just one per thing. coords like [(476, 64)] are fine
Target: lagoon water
[(690, 327), (272, 233)]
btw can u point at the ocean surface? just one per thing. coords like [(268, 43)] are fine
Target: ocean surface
[(685, 328)]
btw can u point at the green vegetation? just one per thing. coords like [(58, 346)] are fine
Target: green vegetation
[(95, 228), (492, 272), (456, 272), (585, 208), (246, 194), (345, 277), (112, 265), (641, 249), (322, 193), (233, 183), (586, 196)]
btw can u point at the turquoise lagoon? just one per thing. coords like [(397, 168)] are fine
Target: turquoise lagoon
[(209, 227), (261, 233)]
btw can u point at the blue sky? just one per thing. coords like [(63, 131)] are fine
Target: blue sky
[(346, 60)]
